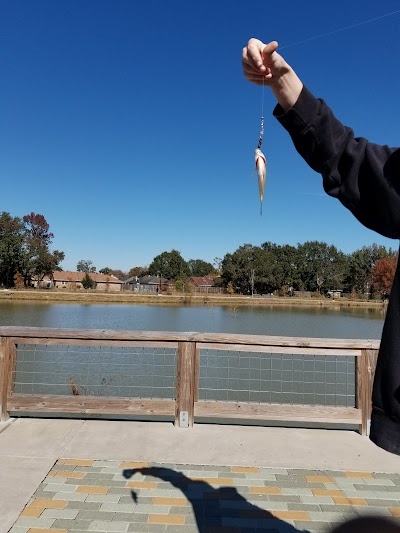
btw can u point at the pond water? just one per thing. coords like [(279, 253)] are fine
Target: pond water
[(288, 321)]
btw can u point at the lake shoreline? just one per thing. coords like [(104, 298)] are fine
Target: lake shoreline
[(49, 296)]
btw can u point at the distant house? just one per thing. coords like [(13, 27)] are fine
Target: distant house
[(152, 283), (205, 284), (131, 284), (337, 293), (302, 294), (145, 284), (64, 279)]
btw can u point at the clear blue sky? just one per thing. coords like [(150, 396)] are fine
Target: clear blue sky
[(130, 127)]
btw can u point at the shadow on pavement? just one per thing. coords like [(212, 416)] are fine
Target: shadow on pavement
[(224, 509), (217, 509)]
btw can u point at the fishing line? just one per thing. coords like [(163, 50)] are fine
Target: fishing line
[(340, 29), (262, 116), (262, 98)]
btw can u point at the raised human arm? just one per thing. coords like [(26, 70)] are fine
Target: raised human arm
[(364, 176)]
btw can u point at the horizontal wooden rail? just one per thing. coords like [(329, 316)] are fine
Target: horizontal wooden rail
[(275, 412), (220, 338), (45, 341), (28, 403), (189, 346), (292, 350)]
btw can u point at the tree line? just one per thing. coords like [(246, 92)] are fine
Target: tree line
[(313, 266), (25, 254)]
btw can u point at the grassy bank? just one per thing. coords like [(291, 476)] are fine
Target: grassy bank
[(181, 299)]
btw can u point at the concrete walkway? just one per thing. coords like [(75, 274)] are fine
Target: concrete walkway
[(73, 475)]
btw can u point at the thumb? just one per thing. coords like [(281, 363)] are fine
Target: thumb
[(269, 49)]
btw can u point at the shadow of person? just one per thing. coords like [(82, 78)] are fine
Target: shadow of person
[(369, 524), (217, 509)]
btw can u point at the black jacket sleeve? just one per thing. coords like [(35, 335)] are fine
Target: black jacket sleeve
[(364, 176)]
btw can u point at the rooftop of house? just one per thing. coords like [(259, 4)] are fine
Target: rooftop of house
[(203, 281), (152, 280), (66, 275)]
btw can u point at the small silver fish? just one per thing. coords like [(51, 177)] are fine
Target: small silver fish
[(261, 166)]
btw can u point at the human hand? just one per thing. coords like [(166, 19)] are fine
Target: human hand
[(263, 65), (261, 62)]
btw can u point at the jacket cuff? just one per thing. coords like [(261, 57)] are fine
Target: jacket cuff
[(301, 115)]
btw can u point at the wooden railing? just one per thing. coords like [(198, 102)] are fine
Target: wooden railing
[(186, 405)]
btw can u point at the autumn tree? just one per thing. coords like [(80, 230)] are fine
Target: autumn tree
[(229, 288), (39, 260), (119, 273), (19, 281), (382, 275), (38, 229), (361, 265), (137, 271)]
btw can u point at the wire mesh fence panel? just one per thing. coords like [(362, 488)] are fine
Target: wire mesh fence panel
[(277, 378), (135, 372)]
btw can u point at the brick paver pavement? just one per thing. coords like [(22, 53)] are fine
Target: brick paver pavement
[(113, 496)]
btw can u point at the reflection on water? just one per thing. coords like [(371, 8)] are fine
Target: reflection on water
[(288, 321)]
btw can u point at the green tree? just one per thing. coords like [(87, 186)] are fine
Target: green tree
[(39, 261), (286, 265), (85, 265), (169, 265), (217, 262), (250, 269), (106, 270), (321, 265), (46, 263), (87, 281), (198, 267), (181, 285), (12, 238)]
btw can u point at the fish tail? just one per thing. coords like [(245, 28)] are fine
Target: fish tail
[(261, 209)]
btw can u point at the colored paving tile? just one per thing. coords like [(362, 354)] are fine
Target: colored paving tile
[(85, 495)]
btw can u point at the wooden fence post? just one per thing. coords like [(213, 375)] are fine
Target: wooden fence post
[(197, 375), (366, 365), (371, 367), (7, 363), (185, 384)]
